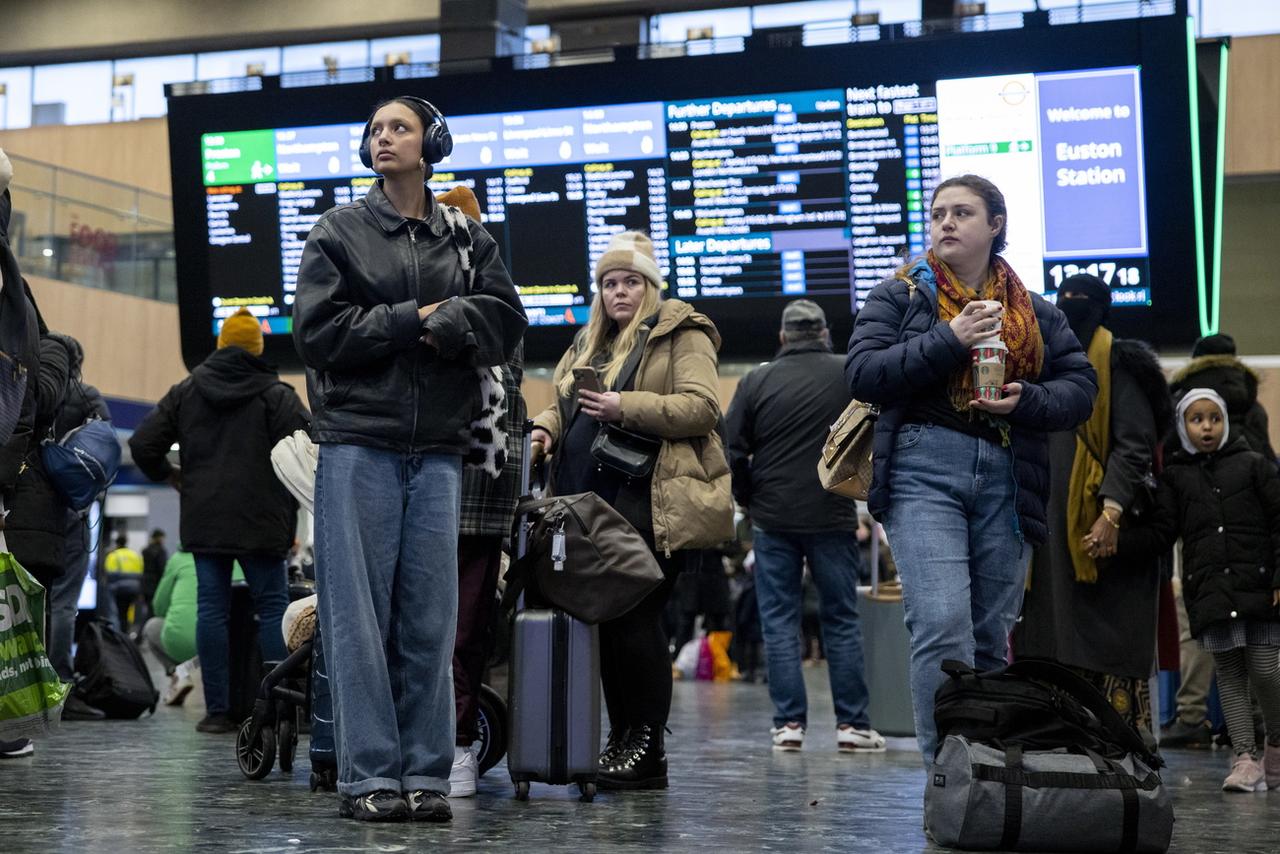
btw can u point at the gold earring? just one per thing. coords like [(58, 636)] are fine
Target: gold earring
[(422, 163)]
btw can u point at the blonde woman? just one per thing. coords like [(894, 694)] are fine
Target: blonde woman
[(655, 366)]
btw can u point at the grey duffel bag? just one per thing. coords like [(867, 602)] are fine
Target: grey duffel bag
[(982, 798)]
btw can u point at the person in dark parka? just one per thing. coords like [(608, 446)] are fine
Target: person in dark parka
[(80, 402), (1085, 607), (1223, 500), (36, 528), (961, 483), (20, 343), (1214, 364), (226, 417)]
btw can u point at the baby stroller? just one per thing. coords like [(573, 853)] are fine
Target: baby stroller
[(297, 689)]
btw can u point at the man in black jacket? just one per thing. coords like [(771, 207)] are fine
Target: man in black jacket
[(777, 425), (226, 417), (80, 402)]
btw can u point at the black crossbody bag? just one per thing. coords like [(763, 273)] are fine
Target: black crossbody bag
[(625, 451)]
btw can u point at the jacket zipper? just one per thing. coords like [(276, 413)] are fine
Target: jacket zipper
[(666, 520), (417, 289)]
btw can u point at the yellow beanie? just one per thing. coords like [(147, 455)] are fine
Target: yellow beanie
[(241, 330)]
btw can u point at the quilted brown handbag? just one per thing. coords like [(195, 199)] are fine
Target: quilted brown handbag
[(845, 465)]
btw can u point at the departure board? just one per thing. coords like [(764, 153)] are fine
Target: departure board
[(820, 192)]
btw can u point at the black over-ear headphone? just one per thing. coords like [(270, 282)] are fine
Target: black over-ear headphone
[(437, 142)]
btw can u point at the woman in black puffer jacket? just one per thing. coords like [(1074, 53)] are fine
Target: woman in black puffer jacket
[(1224, 501), (960, 482)]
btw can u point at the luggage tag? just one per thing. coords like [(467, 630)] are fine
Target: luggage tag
[(558, 549)]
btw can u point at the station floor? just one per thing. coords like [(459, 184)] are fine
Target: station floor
[(156, 785)]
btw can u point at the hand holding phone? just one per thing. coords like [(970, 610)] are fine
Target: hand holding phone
[(587, 379)]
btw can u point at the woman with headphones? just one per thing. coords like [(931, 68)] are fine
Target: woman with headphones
[(392, 332)]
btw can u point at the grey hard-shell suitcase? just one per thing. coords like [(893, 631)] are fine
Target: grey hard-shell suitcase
[(553, 690), (554, 702), (886, 649)]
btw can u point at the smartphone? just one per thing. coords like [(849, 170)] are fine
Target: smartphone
[(588, 379)]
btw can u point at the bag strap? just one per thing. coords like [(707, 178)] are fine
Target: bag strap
[(1128, 786), (1089, 697), (1012, 800), (632, 364)]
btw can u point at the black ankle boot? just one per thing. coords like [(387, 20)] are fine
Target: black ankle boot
[(641, 764), (613, 748)]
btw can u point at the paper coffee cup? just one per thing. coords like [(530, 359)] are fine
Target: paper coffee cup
[(996, 304), (988, 358)]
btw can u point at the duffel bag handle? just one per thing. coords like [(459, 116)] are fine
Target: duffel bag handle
[(956, 669), (1089, 697)]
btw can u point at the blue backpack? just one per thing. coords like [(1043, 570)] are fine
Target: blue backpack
[(83, 463)]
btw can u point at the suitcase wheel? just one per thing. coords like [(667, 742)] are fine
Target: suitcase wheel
[(588, 791), (256, 759), (522, 790)]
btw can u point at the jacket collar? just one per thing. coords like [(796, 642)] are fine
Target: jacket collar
[(391, 220), (803, 347), (1235, 445)]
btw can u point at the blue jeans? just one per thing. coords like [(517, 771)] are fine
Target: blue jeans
[(269, 586), (387, 571), (954, 532), (833, 561), (64, 598)]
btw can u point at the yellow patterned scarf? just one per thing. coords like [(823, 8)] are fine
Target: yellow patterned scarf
[(1020, 332), (1094, 437)]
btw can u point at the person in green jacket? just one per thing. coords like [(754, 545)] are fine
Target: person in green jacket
[(171, 633)]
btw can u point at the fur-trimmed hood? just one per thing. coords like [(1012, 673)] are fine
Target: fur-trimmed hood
[(1141, 361), (1227, 375)]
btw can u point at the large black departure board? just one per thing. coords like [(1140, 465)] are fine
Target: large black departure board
[(752, 194)]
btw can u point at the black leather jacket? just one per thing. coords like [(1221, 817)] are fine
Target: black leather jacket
[(365, 271)]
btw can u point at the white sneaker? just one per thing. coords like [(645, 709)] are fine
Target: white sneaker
[(851, 740), (789, 738), (462, 779), (180, 685)]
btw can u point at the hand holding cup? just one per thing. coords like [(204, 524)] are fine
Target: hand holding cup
[(980, 320)]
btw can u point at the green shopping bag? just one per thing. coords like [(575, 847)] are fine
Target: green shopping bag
[(31, 694)]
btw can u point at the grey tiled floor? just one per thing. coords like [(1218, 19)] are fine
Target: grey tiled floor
[(155, 785)]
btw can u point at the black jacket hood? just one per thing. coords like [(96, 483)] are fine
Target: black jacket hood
[(231, 376)]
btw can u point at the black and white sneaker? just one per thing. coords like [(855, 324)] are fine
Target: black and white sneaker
[(20, 749), (428, 806), (382, 805)]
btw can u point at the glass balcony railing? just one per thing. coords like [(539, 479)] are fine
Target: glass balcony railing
[(90, 231)]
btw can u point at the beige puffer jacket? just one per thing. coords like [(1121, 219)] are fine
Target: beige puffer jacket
[(676, 399)]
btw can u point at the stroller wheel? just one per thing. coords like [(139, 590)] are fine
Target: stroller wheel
[(288, 738), (326, 780), (255, 759), (522, 791), (491, 723)]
